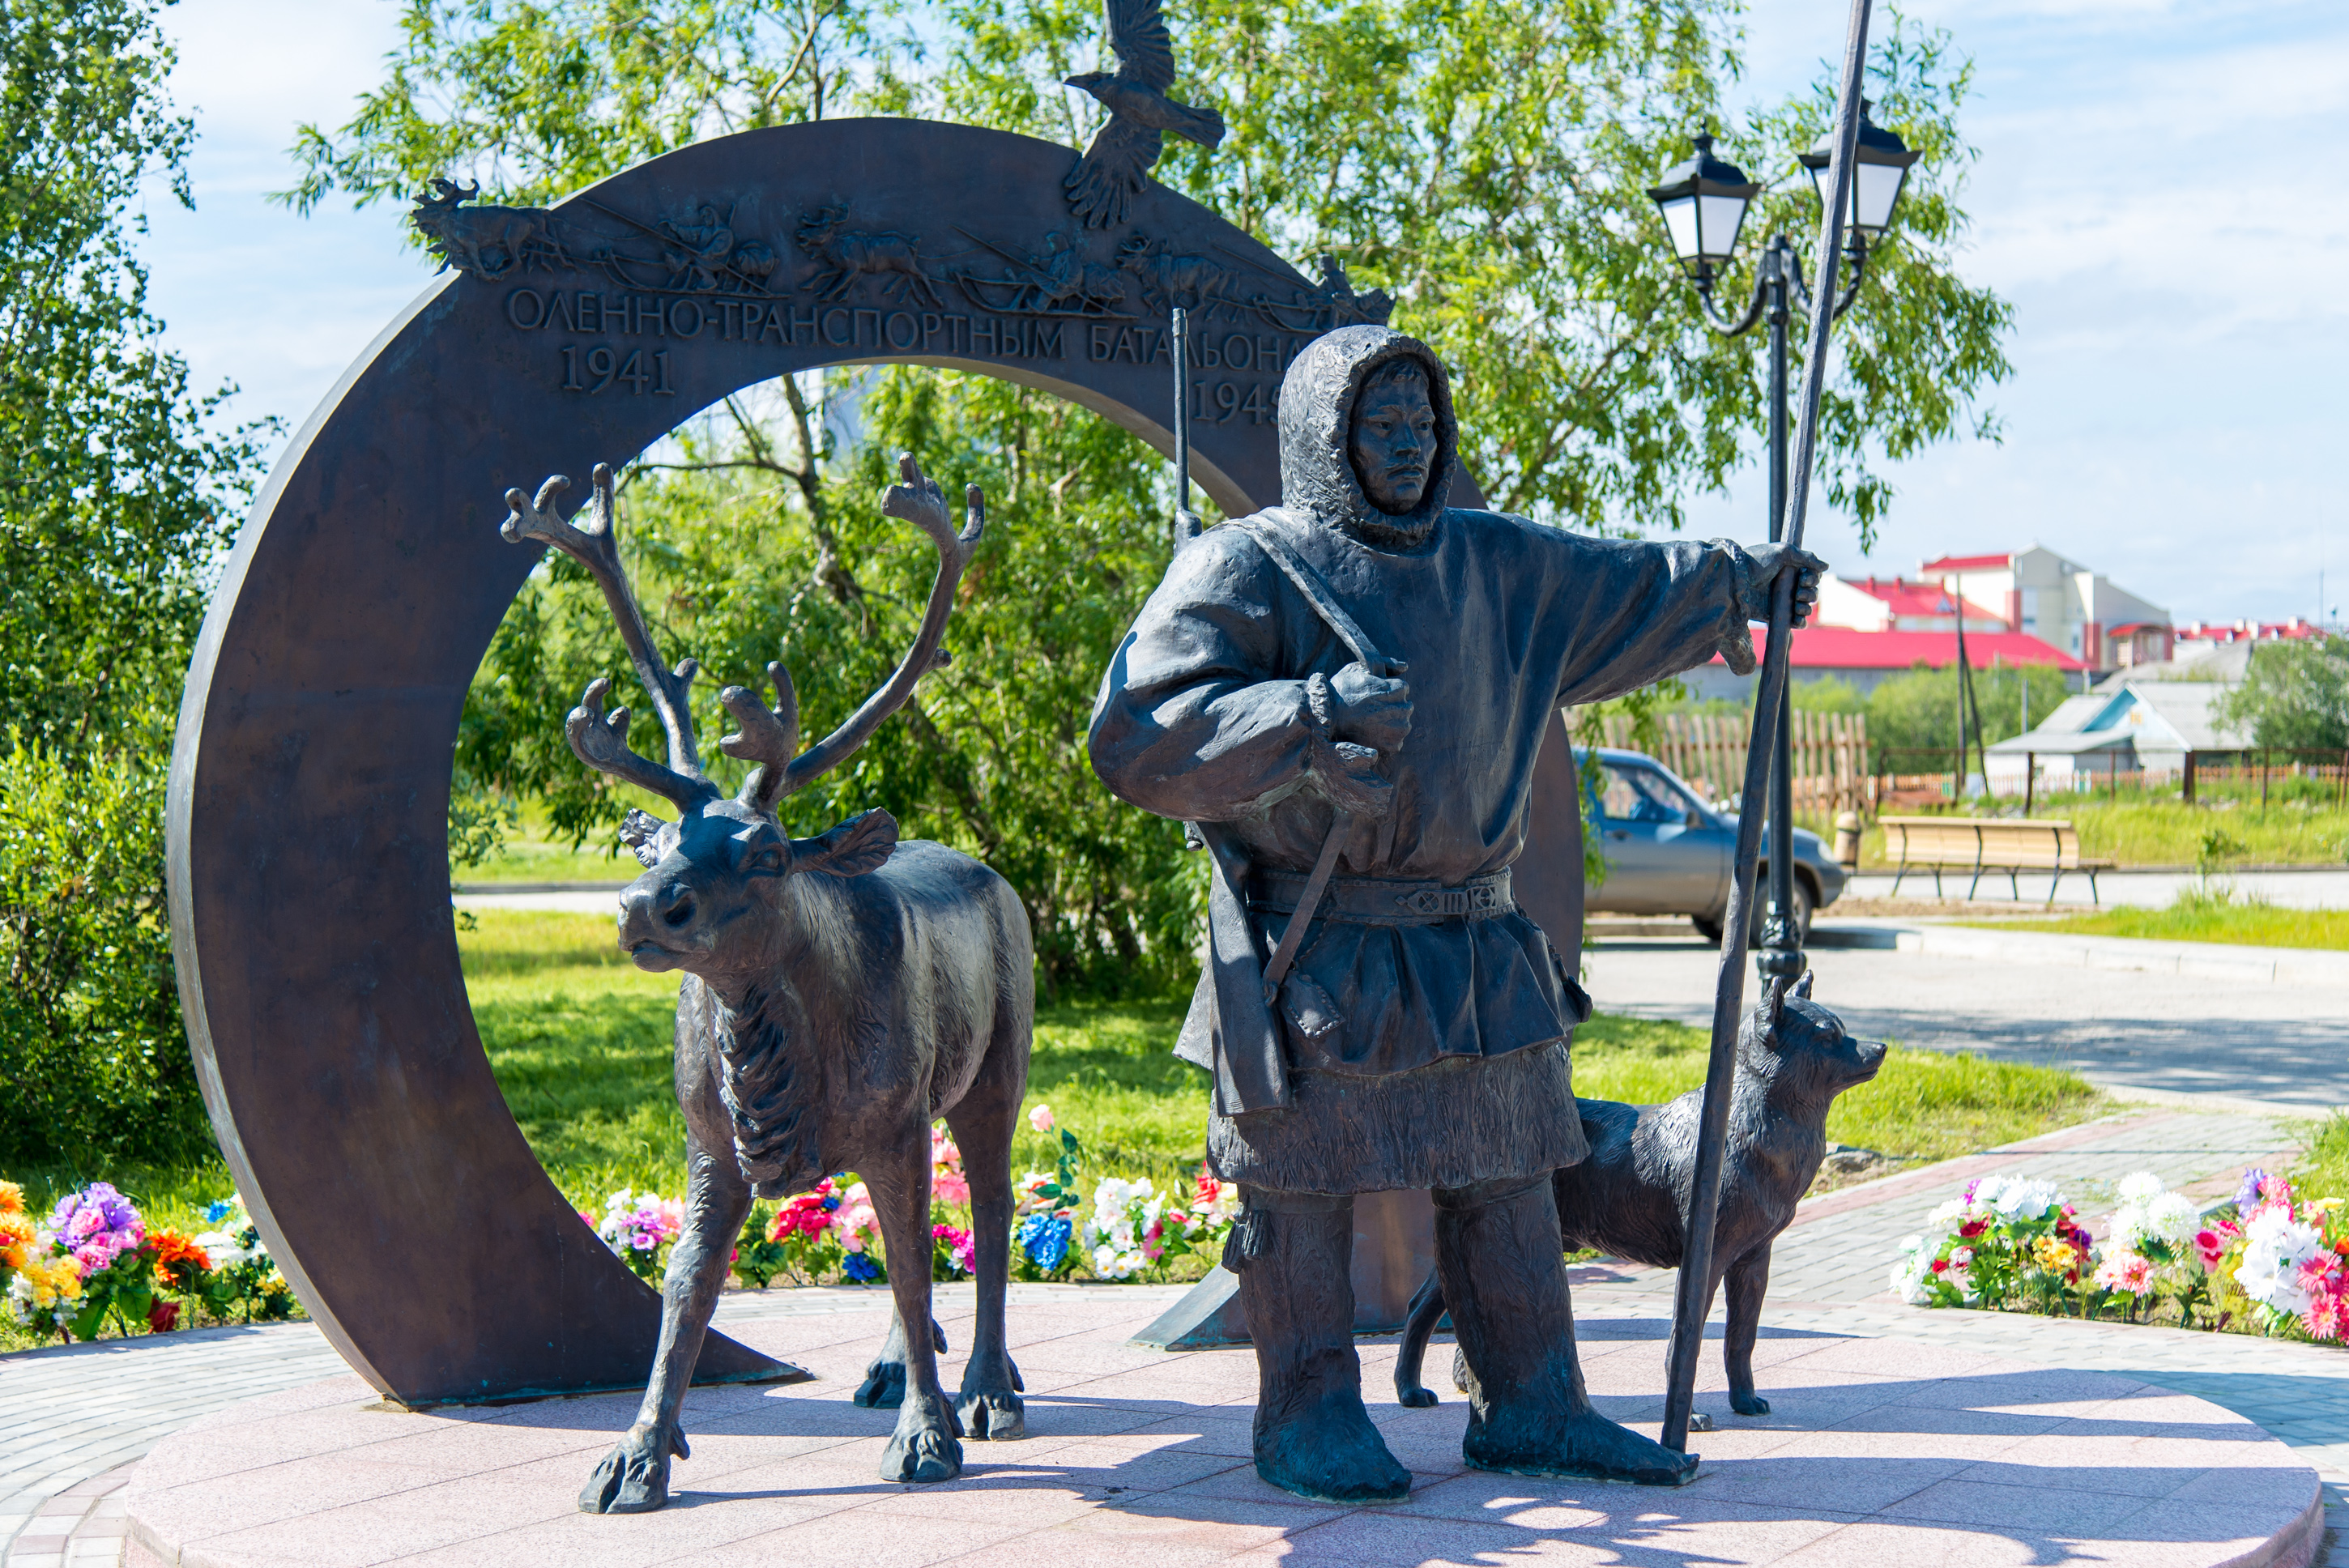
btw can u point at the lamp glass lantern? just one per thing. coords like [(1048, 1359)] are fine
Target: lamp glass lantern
[(1878, 172), (1704, 203)]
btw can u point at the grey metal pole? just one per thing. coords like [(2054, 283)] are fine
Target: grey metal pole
[(1782, 938), (1692, 1297), (1186, 521)]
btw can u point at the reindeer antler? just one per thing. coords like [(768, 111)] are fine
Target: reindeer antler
[(601, 739), (770, 737)]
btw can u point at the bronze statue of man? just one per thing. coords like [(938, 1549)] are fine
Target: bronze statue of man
[(1358, 682)]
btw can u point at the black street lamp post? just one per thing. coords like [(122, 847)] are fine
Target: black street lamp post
[(1704, 203)]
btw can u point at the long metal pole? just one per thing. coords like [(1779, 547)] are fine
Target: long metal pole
[(1694, 1297), (1782, 938), (1186, 521)]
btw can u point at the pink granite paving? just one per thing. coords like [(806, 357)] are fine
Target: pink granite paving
[(1872, 1453)]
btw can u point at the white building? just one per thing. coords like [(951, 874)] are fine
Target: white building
[(2041, 594)]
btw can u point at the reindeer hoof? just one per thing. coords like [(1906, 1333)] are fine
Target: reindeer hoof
[(633, 1477), (883, 1387), (996, 1414), (923, 1454), (1750, 1404), (1415, 1399)]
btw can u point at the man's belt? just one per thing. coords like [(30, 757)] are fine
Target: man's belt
[(1384, 900)]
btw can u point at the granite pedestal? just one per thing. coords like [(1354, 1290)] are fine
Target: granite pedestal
[(1875, 1452)]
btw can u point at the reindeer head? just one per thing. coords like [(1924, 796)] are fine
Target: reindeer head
[(711, 898), (820, 225)]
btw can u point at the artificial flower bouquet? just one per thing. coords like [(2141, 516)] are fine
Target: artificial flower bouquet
[(2286, 1260), (639, 1227), (2008, 1241), (1135, 1232), (1044, 1231), (231, 1270), (2014, 1244), (829, 1231)]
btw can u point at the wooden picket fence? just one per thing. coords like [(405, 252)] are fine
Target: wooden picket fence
[(1709, 751)]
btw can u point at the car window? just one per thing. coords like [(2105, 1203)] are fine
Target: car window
[(1638, 795)]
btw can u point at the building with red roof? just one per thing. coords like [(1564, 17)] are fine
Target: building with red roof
[(1863, 659)]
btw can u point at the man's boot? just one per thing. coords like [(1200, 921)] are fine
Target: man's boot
[(1292, 1253), (1496, 1248)]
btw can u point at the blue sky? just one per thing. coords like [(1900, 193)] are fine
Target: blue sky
[(2155, 196)]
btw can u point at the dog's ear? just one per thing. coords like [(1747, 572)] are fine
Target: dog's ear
[(1773, 1004), (1803, 986)]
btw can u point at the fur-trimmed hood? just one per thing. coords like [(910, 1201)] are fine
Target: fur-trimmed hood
[(1317, 411)]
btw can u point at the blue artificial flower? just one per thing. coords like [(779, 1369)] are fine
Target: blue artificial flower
[(216, 1211), (1045, 1239), (2247, 1196), (860, 1269)]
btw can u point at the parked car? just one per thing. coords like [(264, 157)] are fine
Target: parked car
[(1667, 852)]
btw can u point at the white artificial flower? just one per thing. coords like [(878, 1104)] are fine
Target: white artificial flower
[(2275, 1247), (2140, 1189), (221, 1246), (1945, 1217), (2019, 1198), (2172, 1218)]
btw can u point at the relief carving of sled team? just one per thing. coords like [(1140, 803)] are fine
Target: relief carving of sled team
[(1345, 695), (1076, 275)]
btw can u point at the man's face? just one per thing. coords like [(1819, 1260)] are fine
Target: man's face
[(1394, 441)]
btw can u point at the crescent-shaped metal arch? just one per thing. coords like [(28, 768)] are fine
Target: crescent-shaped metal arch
[(309, 793)]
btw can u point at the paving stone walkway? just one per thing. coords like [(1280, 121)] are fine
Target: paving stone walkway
[(77, 1416)]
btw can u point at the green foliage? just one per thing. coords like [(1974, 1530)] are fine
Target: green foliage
[(1828, 694), (2323, 1169), (538, 100), (1487, 164), (90, 1040), (115, 508), (1916, 712), (114, 504), (745, 552), (2295, 696)]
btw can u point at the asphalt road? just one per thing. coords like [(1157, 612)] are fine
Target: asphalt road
[(2281, 1044)]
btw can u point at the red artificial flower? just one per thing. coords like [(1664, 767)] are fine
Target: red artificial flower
[(1973, 1228), (172, 1247), (163, 1317), (1940, 1265)]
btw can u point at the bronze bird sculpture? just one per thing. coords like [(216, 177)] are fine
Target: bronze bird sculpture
[(1111, 173)]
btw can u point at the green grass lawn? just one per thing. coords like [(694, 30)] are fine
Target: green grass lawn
[(1922, 1105), (2197, 917), (2148, 832), (580, 1042)]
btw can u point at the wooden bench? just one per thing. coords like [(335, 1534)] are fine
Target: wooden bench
[(1979, 844)]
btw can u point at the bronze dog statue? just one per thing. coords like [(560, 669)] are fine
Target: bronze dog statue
[(1627, 1199)]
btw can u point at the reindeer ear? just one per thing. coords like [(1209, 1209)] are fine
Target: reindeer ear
[(1773, 1002), (1803, 986), (856, 847)]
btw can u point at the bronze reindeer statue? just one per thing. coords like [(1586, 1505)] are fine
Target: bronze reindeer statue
[(839, 993)]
